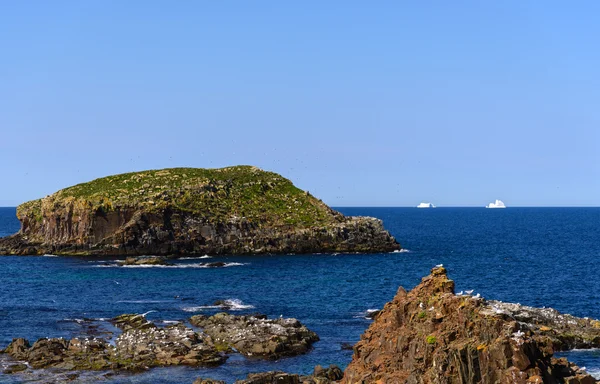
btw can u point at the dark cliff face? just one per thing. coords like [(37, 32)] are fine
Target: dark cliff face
[(176, 233), (234, 217), (431, 335)]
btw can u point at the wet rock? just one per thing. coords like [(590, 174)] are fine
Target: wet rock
[(71, 376), (208, 381), (13, 368), (216, 264), (18, 348), (373, 314), (142, 345), (347, 346), (146, 260), (333, 372), (257, 336), (130, 321), (431, 335), (270, 378), (47, 352), (320, 376)]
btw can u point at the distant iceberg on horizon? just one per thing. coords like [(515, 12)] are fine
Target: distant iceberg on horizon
[(425, 205), (497, 204)]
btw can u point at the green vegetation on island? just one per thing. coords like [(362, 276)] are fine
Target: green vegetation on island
[(217, 194)]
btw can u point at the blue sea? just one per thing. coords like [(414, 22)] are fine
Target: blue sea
[(534, 256)]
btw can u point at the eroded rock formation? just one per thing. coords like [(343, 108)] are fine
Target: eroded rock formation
[(431, 335), (235, 210)]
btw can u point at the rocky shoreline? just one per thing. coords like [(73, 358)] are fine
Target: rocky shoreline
[(188, 211), (143, 345), (427, 335), (432, 335)]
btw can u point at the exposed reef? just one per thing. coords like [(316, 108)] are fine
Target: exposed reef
[(142, 345), (179, 211), (256, 335), (432, 335)]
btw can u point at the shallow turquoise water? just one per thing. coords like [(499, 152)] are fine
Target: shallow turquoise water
[(535, 256)]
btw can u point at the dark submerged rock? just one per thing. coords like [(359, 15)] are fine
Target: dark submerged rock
[(347, 346), (216, 264), (145, 260), (373, 315), (14, 368)]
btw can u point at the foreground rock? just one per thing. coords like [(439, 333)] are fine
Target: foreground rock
[(256, 335), (431, 335), (142, 345), (179, 211), (320, 376)]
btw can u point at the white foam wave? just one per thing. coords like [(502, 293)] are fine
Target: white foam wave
[(192, 265), (199, 308), (49, 255), (78, 321), (403, 250), (229, 304), (584, 350), (171, 321), (365, 314), (195, 258), (595, 372)]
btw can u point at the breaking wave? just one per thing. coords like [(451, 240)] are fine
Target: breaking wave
[(192, 265), (229, 304), (195, 257)]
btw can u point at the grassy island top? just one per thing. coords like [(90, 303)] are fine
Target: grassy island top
[(222, 194)]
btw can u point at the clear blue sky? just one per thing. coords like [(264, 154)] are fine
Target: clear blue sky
[(362, 103)]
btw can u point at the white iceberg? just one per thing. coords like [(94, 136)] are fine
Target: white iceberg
[(497, 204), (425, 205)]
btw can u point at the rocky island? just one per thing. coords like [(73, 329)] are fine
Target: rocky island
[(182, 211)]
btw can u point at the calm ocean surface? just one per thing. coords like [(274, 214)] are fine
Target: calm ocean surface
[(534, 256)]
